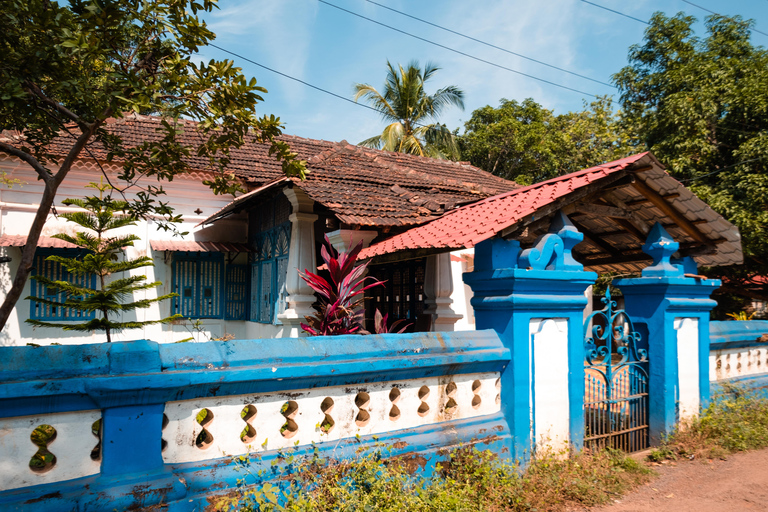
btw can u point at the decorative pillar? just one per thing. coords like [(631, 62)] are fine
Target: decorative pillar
[(534, 300), (345, 239), (438, 287), (671, 311), (301, 257)]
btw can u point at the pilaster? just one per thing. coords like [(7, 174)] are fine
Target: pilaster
[(534, 300), (301, 257), (672, 312), (438, 287)]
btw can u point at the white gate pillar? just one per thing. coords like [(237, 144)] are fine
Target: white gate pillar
[(301, 257)]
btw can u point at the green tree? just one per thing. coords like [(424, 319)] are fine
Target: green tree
[(101, 258), (66, 69), (701, 105), (412, 113), (528, 143)]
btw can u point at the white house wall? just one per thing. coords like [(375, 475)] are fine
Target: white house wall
[(18, 206)]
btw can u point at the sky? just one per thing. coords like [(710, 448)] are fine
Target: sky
[(333, 50)]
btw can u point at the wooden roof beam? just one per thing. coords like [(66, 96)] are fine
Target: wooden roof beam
[(669, 210), (594, 239)]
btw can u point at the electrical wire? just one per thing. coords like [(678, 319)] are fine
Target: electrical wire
[(292, 77), (326, 91), (555, 84), (615, 12), (721, 170), (489, 44), (718, 14)]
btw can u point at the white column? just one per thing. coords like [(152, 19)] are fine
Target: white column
[(688, 366), (301, 257), (345, 239), (549, 388), (438, 287)]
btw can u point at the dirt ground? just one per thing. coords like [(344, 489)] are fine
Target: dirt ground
[(739, 483)]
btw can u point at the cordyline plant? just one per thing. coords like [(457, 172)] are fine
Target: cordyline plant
[(340, 308)]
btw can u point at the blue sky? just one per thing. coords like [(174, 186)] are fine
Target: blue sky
[(334, 50)]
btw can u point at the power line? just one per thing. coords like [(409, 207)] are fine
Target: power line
[(458, 52), (616, 12), (718, 14), (292, 78), (489, 44), (720, 170)]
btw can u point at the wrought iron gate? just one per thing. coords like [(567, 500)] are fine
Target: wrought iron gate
[(616, 382)]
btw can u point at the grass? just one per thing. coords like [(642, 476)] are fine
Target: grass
[(735, 421), (469, 481)]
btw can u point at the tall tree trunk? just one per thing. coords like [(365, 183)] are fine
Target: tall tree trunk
[(52, 183), (28, 252)]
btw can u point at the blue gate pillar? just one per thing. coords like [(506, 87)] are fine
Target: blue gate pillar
[(671, 312), (534, 299)]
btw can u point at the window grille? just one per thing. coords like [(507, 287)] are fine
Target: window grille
[(236, 300), (56, 271), (402, 295), (268, 273), (198, 278)]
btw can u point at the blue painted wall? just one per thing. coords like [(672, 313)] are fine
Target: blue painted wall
[(131, 382)]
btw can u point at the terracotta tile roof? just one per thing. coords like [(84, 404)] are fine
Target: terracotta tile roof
[(194, 246), (355, 183), (471, 224), (43, 241)]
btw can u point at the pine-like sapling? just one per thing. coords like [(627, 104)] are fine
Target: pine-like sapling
[(100, 257)]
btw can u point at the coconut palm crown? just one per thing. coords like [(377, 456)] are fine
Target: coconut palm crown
[(412, 113)]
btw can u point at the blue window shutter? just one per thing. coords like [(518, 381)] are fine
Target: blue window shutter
[(236, 299), (265, 295), (282, 294), (56, 272), (255, 290)]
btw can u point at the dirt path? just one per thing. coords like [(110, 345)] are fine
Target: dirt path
[(739, 483)]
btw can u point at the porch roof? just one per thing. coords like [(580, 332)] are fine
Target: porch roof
[(614, 205), (197, 246), (45, 242)]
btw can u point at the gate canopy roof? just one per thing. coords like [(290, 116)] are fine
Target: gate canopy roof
[(614, 205)]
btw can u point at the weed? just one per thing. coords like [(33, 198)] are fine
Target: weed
[(469, 480), (735, 421)]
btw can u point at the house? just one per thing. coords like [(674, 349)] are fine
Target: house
[(236, 270)]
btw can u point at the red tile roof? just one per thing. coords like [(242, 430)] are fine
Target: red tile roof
[(43, 241), (361, 186), (471, 224), (194, 246)]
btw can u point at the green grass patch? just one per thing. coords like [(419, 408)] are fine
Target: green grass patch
[(469, 480), (735, 421)]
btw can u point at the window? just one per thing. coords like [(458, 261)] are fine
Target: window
[(269, 235), (268, 273), (198, 278), (55, 271)]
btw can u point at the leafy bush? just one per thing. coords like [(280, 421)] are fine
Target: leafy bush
[(339, 309)]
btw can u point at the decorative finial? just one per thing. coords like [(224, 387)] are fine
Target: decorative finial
[(661, 246)]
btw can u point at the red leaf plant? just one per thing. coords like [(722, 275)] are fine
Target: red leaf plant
[(340, 309)]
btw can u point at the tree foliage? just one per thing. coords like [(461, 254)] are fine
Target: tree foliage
[(68, 68), (101, 259), (411, 112), (528, 143), (701, 105)]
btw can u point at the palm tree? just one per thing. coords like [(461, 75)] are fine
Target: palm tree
[(408, 109)]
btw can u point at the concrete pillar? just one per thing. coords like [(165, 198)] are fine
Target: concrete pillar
[(345, 239), (671, 311), (438, 287), (534, 300), (301, 257)]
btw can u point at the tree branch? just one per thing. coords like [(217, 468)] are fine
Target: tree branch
[(36, 91), (42, 172)]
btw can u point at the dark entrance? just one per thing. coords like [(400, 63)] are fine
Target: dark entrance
[(401, 297), (616, 382)]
